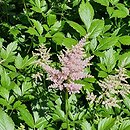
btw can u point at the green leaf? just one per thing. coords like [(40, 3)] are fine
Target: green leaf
[(86, 13), (125, 125), (17, 90), (93, 44), (41, 39), (32, 31), (27, 61), (11, 47), (64, 125), (17, 104), (58, 38), (125, 40), (18, 61), (77, 27), (51, 19), (114, 2), (122, 11), (38, 26), (25, 87), (103, 2), (5, 80), (41, 122), (38, 3), (26, 116), (119, 14), (6, 123), (14, 31), (124, 60), (21, 63), (127, 102), (4, 102), (68, 42), (60, 113), (96, 28), (110, 59), (106, 123), (1, 42), (56, 26), (4, 93), (86, 126), (110, 10), (76, 2), (106, 43), (102, 74)]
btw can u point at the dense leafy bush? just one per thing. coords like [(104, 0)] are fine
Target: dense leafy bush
[(64, 64)]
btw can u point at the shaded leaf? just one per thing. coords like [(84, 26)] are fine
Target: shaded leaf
[(26, 116), (103, 2), (77, 27)]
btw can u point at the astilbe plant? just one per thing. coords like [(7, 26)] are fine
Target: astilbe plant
[(72, 68), (112, 87), (73, 64)]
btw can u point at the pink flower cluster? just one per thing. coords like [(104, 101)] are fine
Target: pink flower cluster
[(73, 65)]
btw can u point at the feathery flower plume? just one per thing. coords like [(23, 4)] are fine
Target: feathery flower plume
[(112, 87), (73, 64)]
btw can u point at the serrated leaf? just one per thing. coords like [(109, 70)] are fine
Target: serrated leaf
[(86, 126), (56, 26), (102, 74), (106, 123), (51, 19), (38, 3), (96, 28), (25, 87), (26, 116), (121, 12), (93, 44), (103, 2), (58, 38), (6, 123), (86, 13), (110, 59), (125, 40), (41, 122), (127, 102), (27, 61), (38, 26), (41, 39), (113, 2), (125, 125), (106, 43), (11, 47), (4, 93), (124, 60), (68, 42), (18, 61), (32, 31), (5, 80), (60, 113), (118, 14), (77, 27)]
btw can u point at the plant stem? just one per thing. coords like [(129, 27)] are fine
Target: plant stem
[(27, 13), (62, 13), (66, 108)]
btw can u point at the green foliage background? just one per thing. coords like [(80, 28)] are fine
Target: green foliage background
[(59, 24)]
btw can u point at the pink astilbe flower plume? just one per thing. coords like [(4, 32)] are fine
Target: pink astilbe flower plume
[(73, 64)]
